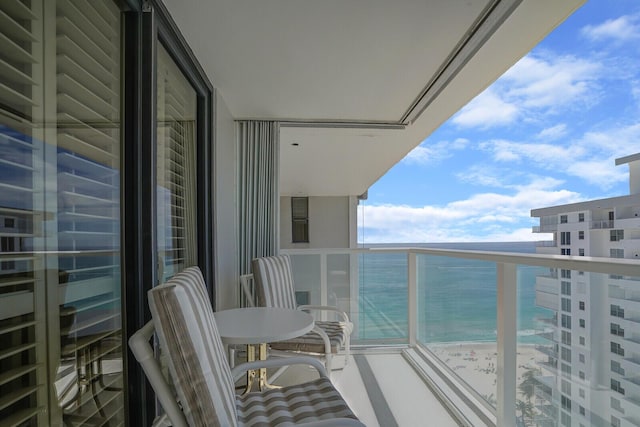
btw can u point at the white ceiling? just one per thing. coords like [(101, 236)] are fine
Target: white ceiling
[(328, 65)]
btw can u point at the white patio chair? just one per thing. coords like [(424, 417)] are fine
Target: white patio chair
[(273, 280), (184, 323)]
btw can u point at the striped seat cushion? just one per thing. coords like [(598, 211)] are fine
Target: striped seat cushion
[(311, 401), (312, 342), (186, 329)]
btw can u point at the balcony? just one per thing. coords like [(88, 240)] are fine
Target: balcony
[(601, 224), (461, 329)]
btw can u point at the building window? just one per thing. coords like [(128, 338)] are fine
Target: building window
[(566, 321), (566, 387), (564, 251), (565, 354), (582, 411), (581, 375), (566, 304), (581, 305), (617, 311), (565, 288), (615, 422), (617, 349), (581, 217), (563, 219), (616, 386), (565, 237), (566, 403), (615, 404), (566, 337), (580, 235), (581, 393), (581, 357), (617, 330), (582, 341), (581, 251), (616, 235), (566, 369), (617, 368), (565, 274), (300, 219), (583, 323), (616, 253)]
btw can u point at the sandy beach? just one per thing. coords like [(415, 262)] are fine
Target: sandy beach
[(475, 363)]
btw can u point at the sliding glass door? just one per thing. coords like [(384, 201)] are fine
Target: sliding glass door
[(60, 281), (81, 161), (176, 168)]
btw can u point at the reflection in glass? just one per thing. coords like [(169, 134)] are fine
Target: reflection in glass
[(60, 307), (176, 188), (588, 356)]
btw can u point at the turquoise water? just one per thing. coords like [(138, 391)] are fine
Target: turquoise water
[(456, 297)]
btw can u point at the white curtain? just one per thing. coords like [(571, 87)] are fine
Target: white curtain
[(259, 204)]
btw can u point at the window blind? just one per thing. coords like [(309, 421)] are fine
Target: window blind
[(59, 213), (22, 337), (176, 179)]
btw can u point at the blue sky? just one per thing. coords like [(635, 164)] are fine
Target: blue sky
[(546, 133)]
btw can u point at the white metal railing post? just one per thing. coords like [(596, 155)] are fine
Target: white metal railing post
[(354, 293), (412, 294), (324, 285), (507, 343)]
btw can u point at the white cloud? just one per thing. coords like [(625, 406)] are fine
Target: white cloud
[(483, 175), (537, 84), (539, 153), (426, 153), (591, 158), (486, 110), (481, 217), (553, 132), (623, 28)]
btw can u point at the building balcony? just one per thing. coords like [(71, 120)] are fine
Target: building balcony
[(631, 345), (601, 224), (448, 319)]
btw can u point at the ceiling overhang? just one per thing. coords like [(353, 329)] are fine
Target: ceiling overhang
[(356, 84)]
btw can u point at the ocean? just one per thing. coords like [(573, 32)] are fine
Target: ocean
[(456, 297)]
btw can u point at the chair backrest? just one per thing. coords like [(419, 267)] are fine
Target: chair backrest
[(187, 332), (274, 281)]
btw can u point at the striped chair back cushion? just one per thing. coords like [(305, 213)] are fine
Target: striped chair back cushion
[(274, 281), (188, 335)]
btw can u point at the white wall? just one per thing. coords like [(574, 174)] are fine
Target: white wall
[(331, 223), (634, 177), (226, 238)]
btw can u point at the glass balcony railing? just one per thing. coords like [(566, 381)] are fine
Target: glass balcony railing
[(511, 334)]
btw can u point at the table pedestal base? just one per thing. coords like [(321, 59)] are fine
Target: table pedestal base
[(259, 375)]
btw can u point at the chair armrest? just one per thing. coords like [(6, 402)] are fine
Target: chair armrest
[(144, 354), (340, 313), (239, 370)]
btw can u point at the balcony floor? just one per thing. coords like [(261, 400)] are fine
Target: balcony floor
[(387, 382)]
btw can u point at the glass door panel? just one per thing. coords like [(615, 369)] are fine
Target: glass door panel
[(60, 309), (176, 170)]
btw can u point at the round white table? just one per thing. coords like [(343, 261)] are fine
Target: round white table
[(257, 326)]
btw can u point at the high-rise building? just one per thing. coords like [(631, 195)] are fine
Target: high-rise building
[(592, 336)]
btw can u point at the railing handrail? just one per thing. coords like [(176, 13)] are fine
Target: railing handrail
[(620, 266)]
